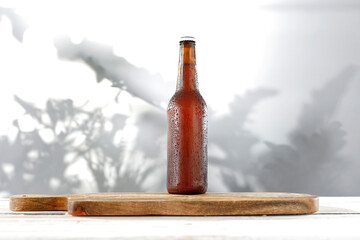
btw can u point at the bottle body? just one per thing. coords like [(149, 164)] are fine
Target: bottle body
[(187, 133)]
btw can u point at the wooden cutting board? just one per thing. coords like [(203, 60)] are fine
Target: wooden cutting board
[(125, 204)]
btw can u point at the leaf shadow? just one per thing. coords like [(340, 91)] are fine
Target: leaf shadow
[(312, 162), (122, 74), (19, 25), (230, 135)]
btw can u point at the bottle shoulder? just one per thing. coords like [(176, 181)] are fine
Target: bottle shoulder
[(181, 96), (187, 98)]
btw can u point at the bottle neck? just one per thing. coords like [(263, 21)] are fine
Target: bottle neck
[(187, 75)]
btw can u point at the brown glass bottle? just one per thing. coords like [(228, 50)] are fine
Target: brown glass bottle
[(187, 129)]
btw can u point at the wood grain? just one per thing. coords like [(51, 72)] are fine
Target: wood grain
[(38, 202), (132, 204)]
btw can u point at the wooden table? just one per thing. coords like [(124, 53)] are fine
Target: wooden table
[(338, 218)]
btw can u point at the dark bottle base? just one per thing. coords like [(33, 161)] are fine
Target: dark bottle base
[(196, 190)]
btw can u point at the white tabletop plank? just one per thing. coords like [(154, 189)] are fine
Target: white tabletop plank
[(338, 218), (339, 205)]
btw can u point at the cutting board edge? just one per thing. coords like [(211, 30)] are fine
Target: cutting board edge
[(165, 207)]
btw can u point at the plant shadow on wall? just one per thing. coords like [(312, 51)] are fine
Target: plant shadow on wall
[(18, 23), (228, 134), (39, 160), (64, 135), (121, 73), (313, 162), (150, 139)]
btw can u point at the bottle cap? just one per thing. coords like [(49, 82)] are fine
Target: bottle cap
[(187, 39)]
